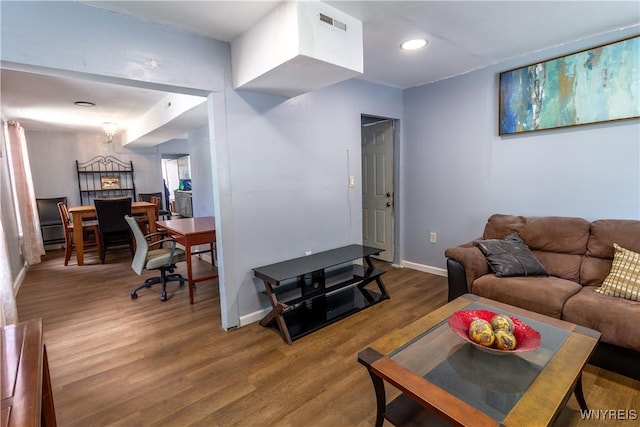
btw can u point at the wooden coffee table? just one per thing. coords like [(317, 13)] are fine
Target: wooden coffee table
[(446, 381)]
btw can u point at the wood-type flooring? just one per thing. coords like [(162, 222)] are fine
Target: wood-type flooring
[(118, 362)]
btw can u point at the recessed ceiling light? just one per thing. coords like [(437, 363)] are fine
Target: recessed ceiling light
[(84, 104), (413, 44)]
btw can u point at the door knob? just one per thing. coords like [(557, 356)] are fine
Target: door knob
[(388, 194), (388, 204)]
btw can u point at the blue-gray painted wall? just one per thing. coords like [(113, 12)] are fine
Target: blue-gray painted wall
[(458, 171), (201, 171), (291, 159)]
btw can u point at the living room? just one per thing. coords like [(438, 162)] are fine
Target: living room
[(456, 171)]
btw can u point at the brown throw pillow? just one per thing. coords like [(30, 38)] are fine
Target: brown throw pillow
[(624, 278), (510, 257)]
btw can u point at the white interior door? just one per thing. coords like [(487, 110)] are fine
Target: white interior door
[(377, 187)]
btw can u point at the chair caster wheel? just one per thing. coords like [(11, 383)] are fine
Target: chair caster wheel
[(134, 295), (163, 298)]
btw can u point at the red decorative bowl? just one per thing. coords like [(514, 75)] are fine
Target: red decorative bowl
[(527, 338)]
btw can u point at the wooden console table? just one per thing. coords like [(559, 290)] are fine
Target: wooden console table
[(25, 383), (311, 292)]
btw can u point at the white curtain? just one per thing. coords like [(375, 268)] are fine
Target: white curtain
[(32, 246), (8, 311)]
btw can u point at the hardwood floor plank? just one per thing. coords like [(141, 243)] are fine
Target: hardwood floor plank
[(118, 362)]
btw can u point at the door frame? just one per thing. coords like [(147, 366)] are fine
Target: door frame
[(366, 119)]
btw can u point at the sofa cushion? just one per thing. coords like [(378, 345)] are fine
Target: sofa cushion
[(614, 319), (593, 271), (624, 278), (548, 237), (604, 233), (565, 266), (500, 226), (545, 295), (556, 234), (510, 257)]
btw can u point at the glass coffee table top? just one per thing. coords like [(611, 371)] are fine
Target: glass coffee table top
[(491, 383), (429, 363)]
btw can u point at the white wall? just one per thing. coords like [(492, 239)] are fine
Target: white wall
[(458, 171)]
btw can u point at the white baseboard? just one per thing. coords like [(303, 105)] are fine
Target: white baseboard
[(426, 268), (256, 316), (19, 279)]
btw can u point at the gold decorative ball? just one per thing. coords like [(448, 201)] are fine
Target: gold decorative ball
[(505, 340), (502, 321), (480, 331)]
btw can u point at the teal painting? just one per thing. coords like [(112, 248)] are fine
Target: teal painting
[(595, 85)]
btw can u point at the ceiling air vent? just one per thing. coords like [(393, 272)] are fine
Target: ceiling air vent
[(333, 22), (323, 50)]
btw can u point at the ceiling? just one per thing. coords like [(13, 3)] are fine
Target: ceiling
[(463, 36)]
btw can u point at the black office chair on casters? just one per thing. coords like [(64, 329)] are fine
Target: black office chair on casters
[(159, 258)]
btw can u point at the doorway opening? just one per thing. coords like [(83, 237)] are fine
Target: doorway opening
[(378, 136), (176, 176), (229, 315)]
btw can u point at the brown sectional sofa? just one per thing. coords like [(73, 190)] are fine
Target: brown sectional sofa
[(577, 254)]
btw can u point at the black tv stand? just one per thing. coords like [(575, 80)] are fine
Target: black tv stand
[(311, 292)]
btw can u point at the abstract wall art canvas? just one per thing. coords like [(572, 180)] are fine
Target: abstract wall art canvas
[(595, 85)]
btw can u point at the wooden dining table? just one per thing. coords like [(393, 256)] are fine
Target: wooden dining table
[(80, 213)]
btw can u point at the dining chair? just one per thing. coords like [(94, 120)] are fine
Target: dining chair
[(148, 197), (160, 214), (151, 255), (113, 229), (51, 225), (89, 227)]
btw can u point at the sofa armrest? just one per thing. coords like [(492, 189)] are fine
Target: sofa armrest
[(464, 265), (457, 279)]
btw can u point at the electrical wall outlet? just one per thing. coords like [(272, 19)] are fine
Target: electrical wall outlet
[(352, 181), (433, 237), (307, 253)]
